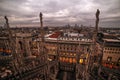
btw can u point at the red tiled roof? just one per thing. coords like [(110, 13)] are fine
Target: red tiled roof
[(55, 35)]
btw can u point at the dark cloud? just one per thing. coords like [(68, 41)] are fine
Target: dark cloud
[(57, 12)]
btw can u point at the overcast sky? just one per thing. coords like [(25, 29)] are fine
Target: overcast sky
[(60, 12)]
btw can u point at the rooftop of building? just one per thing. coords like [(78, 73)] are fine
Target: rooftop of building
[(111, 40), (55, 34)]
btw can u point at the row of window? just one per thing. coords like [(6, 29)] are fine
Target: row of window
[(51, 52), (52, 49), (64, 48), (69, 54), (109, 59), (69, 60), (78, 39), (68, 47), (112, 52), (113, 49), (50, 44)]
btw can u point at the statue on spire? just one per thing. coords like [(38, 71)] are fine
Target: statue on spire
[(97, 20), (97, 14)]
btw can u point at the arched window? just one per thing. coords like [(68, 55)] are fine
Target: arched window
[(74, 60), (63, 59), (119, 60), (66, 60), (20, 43), (70, 60), (118, 63), (30, 43), (109, 59), (60, 59)]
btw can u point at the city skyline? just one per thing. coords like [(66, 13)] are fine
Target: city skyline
[(59, 13), (62, 53)]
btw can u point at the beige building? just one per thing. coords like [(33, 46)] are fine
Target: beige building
[(65, 49), (111, 52)]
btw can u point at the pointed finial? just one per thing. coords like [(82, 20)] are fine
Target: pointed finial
[(6, 19), (40, 16), (41, 23)]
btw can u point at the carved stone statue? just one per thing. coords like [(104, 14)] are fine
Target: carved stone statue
[(97, 20)]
